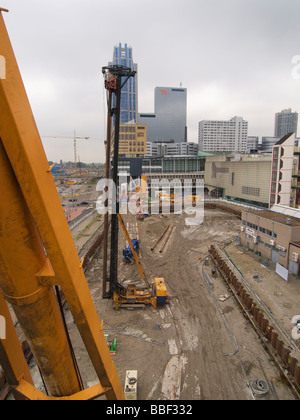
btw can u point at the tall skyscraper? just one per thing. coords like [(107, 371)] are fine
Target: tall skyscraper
[(168, 123), (129, 96), (286, 122), (223, 136)]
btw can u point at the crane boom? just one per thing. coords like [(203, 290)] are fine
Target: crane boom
[(135, 255), (37, 252), (75, 144)]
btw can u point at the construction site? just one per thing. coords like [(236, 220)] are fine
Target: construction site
[(201, 344), (144, 306)]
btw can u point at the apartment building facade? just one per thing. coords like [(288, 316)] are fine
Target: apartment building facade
[(132, 140), (273, 236), (223, 136), (172, 149)]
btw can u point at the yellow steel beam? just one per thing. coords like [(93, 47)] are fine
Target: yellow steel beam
[(27, 157), (11, 355), (26, 390), (135, 255), (22, 264)]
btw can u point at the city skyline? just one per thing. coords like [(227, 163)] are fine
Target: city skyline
[(237, 66)]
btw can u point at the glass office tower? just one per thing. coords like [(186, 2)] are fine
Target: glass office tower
[(286, 122), (129, 95), (168, 123)]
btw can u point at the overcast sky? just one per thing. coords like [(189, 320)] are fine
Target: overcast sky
[(234, 57)]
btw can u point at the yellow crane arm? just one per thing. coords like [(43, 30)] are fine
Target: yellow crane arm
[(37, 252), (137, 260)]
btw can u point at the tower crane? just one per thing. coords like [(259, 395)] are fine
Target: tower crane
[(75, 143)]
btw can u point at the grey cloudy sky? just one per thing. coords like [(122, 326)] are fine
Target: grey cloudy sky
[(234, 57)]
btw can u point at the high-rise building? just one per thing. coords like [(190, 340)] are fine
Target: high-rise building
[(286, 122), (169, 120), (172, 149), (132, 141), (129, 95), (223, 136)]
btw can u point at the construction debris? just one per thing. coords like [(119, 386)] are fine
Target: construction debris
[(222, 298), (167, 238), (130, 389), (160, 238), (112, 344)]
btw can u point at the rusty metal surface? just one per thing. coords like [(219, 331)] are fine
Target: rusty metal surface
[(24, 150), (12, 358)]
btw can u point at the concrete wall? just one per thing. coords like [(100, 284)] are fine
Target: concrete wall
[(245, 179), (261, 241)]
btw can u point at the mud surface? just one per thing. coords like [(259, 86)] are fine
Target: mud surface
[(199, 346)]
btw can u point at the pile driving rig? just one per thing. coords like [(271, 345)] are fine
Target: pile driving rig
[(156, 293)]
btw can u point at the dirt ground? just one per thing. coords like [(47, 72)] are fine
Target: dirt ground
[(197, 347)]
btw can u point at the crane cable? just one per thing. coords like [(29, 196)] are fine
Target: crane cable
[(68, 337)]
